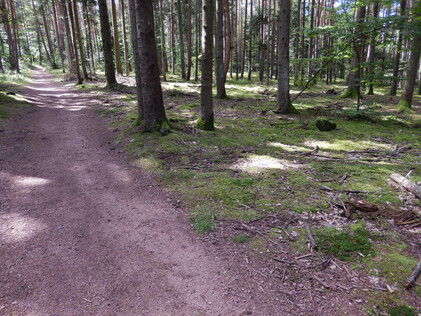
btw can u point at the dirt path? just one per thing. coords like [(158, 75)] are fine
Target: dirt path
[(82, 232)]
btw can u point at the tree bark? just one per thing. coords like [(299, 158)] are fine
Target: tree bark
[(206, 120), (172, 41), (219, 51), (189, 46), (181, 39), (163, 49), (79, 39), (283, 96), (243, 59), (116, 39), (126, 48), (133, 34), (48, 36), (371, 53), (228, 41), (153, 104), (354, 78), (250, 42), (14, 62), (72, 23), (196, 72), (107, 44), (411, 74), (397, 57)]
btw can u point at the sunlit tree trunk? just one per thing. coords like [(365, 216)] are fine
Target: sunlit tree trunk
[(172, 38), (59, 35), (14, 64), (196, 72), (126, 48), (116, 39), (371, 53), (79, 39), (206, 120), (75, 48), (243, 60), (69, 46)]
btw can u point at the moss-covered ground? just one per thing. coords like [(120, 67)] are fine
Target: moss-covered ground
[(257, 162)]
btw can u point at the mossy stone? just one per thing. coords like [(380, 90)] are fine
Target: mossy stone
[(324, 125)]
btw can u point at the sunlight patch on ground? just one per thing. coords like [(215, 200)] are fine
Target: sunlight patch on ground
[(260, 163), (25, 182), (189, 87), (118, 173), (288, 147), (347, 145), (15, 227)]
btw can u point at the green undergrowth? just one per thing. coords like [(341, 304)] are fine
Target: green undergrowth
[(10, 100), (257, 162)]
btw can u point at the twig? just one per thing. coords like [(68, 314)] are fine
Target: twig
[(283, 275), (310, 237), (282, 261), (321, 282), (304, 256), (325, 188), (344, 177)]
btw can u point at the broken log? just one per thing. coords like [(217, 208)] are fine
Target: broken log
[(407, 184), (410, 281)]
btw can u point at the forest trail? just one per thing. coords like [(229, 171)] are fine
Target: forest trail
[(83, 232)]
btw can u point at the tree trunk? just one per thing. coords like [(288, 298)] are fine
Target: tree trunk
[(189, 46), (72, 23), (283, 97), (14, 64), (172, 44), (228, 41), (181, 39), (268, 44), (107, 44), (250, 41), (411, 74), (396, 59), (68, 34), (116, 39), (243, 59), (206, 120), (219, 51), (79, 39), (261, 43), (153, 103), (15, 32), (354, 78), (126, 48), (89, 37), (163, 49), (310, 46), (48, 36), (196, 72), (59, 35), (133, 34), (371, 53)]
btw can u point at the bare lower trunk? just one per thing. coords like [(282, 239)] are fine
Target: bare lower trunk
[(181, 39), (219, 53), (163, 49), (153, 104), (75, 49), (126, 48), (107, 43), (116, 39), (283, 97), (206, 120)]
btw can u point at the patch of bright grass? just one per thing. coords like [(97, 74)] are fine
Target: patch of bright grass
[(202, 219), (401, 310), (240, 238), (345, 245)]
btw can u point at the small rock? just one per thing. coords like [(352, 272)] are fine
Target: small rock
[(325, 125)]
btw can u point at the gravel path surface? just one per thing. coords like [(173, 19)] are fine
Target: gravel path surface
[(83, 232)]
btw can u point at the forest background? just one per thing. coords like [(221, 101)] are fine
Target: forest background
[(265, 78)]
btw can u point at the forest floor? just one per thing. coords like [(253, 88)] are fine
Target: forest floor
[(98, 220)]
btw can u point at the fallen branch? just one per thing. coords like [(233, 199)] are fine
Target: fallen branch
[(321, 282), (407, 184), (410, 281), (310, 237), (325, 188)]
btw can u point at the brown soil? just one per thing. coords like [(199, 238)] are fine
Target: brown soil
[(84, 232)]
